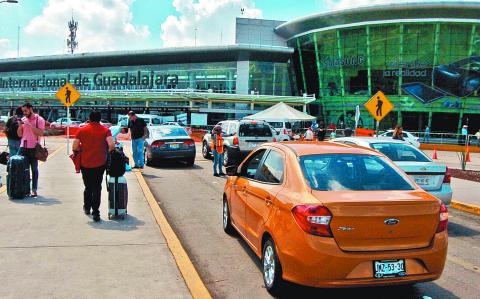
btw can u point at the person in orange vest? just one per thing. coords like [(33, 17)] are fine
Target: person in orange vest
[(217, 150)]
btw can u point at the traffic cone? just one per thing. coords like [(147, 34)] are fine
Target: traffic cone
[(434, 156), (467, 156)]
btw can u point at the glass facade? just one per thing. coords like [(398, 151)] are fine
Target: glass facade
[(429, 67), (217, 77), (363, 60), (269, 78)]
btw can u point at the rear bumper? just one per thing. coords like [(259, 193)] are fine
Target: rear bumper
[(444, 194), (171, 154), (319, 262)]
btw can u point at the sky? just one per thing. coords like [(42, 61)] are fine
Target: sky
[(110, 25)]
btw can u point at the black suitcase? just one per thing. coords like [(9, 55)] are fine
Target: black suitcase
[(18, 177), (117, 197)]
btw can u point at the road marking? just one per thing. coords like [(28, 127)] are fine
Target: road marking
[(469, 208), (4, 187), (463, 263), (187, 269)]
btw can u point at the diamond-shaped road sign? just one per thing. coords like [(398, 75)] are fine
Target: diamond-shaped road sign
[(68, 95), (379, 106)]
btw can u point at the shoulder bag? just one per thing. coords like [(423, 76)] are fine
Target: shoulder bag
[(41, 152)]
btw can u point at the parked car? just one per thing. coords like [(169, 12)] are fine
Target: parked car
[(64, 121), (431, 176), (150, 119), (240, 138), (283, 129), (330, 215), (169, 143), (409, 137)]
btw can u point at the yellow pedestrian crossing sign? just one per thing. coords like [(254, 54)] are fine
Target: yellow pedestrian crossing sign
[(379, 106), (68, 95)]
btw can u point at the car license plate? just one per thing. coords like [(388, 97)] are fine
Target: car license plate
[(252, 145), (422, 180), (389, 268), (175, 146)]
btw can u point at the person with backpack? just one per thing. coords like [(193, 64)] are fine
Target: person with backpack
[(30, 129), (93, 141), (11, 128)]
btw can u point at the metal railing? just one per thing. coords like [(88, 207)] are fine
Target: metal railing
[(447, 138)]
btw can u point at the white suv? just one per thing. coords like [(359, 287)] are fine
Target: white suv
[(240, 137)]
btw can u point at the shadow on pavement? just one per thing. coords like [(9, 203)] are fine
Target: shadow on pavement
[(459, 230), (128, 224), (174, 165), (40, 201)]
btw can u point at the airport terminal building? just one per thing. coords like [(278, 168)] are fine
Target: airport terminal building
[(424, 56)]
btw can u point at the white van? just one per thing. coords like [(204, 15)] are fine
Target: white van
[(283, 128), (150, 120)]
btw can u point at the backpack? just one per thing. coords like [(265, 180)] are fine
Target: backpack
[(12, 128), (116, 163)]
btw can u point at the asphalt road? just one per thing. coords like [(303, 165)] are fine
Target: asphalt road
[(191, 198)]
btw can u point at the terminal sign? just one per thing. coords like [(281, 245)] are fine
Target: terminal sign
[(68, 95), (379, 106)]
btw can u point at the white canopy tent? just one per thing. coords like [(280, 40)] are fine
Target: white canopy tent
[(281, 112)]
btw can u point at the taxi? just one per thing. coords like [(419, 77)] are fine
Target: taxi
[(329, 215)]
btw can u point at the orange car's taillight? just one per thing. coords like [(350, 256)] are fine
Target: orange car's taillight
[(314, 220), (443, 219)]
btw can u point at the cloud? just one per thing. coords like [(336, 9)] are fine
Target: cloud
[(4, 43), (102, 25), (214, 21)]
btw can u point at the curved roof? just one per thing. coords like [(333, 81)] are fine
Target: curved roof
[(470, 11), (148, 57), (281, 112)]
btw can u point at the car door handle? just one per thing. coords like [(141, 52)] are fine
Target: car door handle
[(268, 200)]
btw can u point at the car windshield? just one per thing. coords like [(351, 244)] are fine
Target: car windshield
[(276, 124), (254, 129), (400, 152), (171, 132), (340, 172)]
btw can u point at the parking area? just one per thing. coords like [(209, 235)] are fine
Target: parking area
[(192, 201)]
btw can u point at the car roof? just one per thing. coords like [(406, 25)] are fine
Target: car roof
[(371, 140), (322, 147)]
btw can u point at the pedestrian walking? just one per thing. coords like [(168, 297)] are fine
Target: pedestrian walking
[(426, 139), (478, 137), (138, 132), (30, 129), (464, 135), (321, 133), (309, 134), (11, 130), (398, 133), (217, 150), (92, 142)]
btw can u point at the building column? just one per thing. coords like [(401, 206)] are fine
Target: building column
[(340, 56), (436, 43), (460, 122), (209, 104), (319, 68), (472, 39), (430, 116), (190, 104), (274, 79), (400, 62), (304, 108), (369, 61), (252, 106), (399, 117), (243, 76), (301, 66)]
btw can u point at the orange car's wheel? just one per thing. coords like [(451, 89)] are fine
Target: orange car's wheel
[(227, 223), (272, 269)]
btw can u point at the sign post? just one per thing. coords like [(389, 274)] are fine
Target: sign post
[(68, 95), (379, 106)]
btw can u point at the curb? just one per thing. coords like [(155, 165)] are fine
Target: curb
[(469, 208)]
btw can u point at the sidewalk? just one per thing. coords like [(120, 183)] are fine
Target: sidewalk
[(50, 249), (466, 195)]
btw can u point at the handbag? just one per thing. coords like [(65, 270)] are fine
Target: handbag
[(41, 152)]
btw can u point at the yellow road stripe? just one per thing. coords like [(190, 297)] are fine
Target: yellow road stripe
[(190, 275), (469, 208), (4, 187)]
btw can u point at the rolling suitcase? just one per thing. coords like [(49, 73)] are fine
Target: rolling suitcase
[(18, 177), (117, 197)]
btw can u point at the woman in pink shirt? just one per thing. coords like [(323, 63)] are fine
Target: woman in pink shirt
[(30, 129)]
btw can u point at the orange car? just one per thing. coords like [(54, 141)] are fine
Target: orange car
[(330, 215)]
